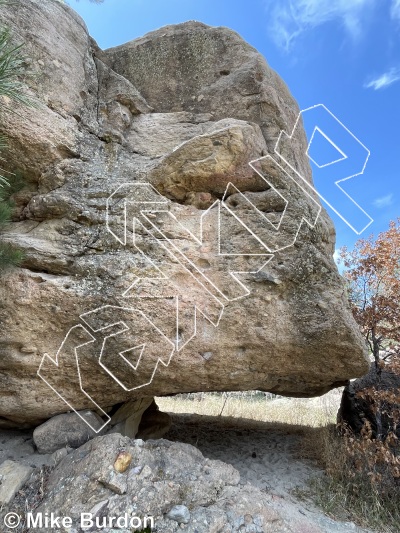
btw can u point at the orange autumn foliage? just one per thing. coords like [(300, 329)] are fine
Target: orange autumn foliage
[(372, 272)]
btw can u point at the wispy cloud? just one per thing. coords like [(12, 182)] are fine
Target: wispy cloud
[(395, 9), (386, 79), (384, 201), (338, 260), (291, 18)]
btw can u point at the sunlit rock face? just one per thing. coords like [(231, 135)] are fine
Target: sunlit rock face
[(162, 130)]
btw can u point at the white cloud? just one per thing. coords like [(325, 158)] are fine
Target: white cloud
[(384, 201), (386, 79), (339, 261), (291, 18), (395, 9)]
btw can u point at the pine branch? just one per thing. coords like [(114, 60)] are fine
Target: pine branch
[(9, 256)]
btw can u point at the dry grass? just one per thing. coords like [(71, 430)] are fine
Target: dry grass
[(312, 412), (347, 492)]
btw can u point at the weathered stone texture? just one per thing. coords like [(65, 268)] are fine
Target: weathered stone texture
[(184, 108)]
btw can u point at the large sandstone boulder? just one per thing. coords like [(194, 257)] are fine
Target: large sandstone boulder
[(226, 279)]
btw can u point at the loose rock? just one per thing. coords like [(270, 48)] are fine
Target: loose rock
[(13, 476), (123, 462), (180, 514)]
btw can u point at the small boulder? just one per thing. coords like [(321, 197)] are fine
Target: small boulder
[(66, 430), (357, 407), (126, 417)]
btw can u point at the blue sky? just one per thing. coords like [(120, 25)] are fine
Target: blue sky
[(344, 54)]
